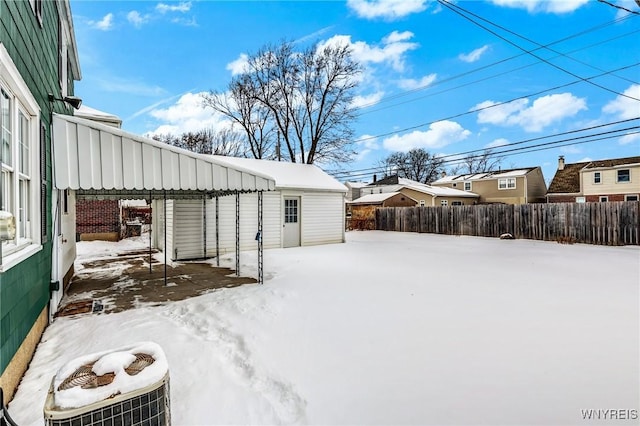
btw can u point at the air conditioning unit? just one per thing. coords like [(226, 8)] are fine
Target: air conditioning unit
[(128, 386)]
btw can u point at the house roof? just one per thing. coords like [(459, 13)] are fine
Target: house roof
[(496, 174), (434, 191), (355, 184), (97, 115), (288, 175), (106, 161), (613, 162), (567, 180), (375, 198)]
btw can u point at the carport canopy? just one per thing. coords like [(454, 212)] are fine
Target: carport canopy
[(101, 161), (104, 162)]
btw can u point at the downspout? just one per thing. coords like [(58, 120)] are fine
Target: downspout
[(526, 197)]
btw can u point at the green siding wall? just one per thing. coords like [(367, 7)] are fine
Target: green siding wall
[(24, 289)]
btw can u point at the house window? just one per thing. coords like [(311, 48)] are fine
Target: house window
[(507, 183), (597, 178), (456, 203), (624, 175), (17, 180), (422, 203), (604, 198), (631, 197), (444, 202), (581, 199), (467, 186), (290, 211)]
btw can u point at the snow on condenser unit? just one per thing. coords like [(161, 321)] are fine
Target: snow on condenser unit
[(128, 386)]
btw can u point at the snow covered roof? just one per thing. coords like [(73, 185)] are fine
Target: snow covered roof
[(105, 161), (434, 191), (484, 175), (374, 198), (288, 175), (355, 184), (97, 115)]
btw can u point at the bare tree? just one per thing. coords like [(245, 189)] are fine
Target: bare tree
[(207, 141), (302, 99), (478, 163), (417, 164)]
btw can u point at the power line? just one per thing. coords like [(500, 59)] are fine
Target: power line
[(619, 7), (457, 9), (509, 147), (595, 28), (474, 110)]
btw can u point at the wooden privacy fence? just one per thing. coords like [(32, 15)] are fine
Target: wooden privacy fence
[(611, 223)]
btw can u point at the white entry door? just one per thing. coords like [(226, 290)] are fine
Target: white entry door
[(291, 234)]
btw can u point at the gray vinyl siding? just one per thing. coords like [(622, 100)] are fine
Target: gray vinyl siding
[(248, 222), (322, 218), (188, 237)]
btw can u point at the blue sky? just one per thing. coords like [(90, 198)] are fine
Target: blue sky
[(431, 77)]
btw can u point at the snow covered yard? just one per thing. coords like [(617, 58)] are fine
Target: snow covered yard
[(388, 328)]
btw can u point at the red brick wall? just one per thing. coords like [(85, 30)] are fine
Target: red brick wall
[(612, 197), (97, 216)]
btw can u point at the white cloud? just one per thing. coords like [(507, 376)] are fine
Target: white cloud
[(367, 100), (571, 149), (365, 145), (410, 83), (136, 19), (629, 138), (181, 7), (391, 50), (497, 142), (547, 6), (186, 115), (544, 111), (238, 66), (386, 9), (439, 134), (474, 55), (105, 24), (624, 107)]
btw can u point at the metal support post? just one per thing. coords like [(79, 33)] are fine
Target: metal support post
[(259, 238), (217, 231), (204, 225), (165, 237), (237, 234), (151, 215)]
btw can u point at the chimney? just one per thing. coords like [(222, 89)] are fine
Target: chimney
[(561, 162), (375, 178)]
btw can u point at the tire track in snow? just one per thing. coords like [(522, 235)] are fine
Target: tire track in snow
[(286, 404)]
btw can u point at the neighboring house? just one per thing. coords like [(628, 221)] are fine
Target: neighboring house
[(354, 190), (425, 195), (38, 57), (363, 210), (306, 208), (514, 186), (98, 219), (616, 179)]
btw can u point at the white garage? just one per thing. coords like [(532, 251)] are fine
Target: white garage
[(306, 208)]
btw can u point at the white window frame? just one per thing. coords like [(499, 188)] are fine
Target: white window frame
[(506, 183), (597, 178), (21, 191), (457, 203), (465, 186), (422, 203), (603, 199), (581, 200), (627, 196), (444, 203)]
